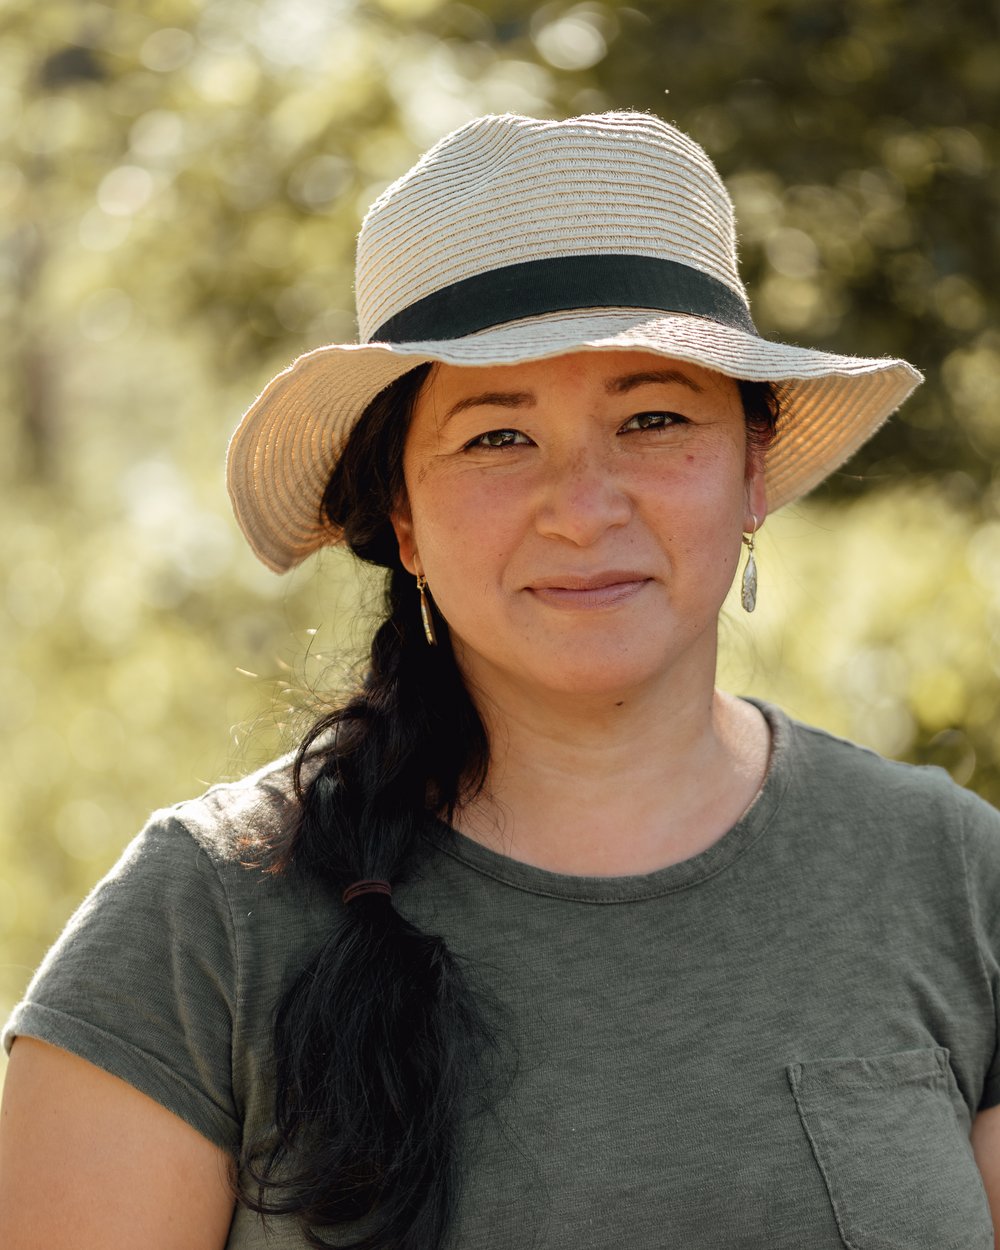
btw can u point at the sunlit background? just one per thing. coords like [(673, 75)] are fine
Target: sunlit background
[(181, 184)]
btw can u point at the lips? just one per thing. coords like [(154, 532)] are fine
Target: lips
[(591, 590), (588, 581)]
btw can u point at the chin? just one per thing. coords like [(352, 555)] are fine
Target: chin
[(596, 679), (614, 686), (580, 668)]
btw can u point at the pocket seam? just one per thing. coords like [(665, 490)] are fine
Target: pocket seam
[(811, 1108), (794, 1073)]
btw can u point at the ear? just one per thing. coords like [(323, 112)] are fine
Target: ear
[(756, 491), (402, 524)]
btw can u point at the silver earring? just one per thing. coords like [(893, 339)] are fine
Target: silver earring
[(748, 589), (425, 611)]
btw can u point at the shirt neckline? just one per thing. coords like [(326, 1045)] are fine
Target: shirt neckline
[(633, 888)]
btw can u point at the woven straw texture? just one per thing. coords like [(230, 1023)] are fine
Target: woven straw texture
[(503, 190)]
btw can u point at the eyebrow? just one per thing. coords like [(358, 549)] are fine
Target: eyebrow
[(614, 386), (495, 399), (629, 381)]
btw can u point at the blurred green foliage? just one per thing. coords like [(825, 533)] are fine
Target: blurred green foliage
[(180, 187)]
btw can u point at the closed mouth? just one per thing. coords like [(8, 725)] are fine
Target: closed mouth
[(601, 590), (592, 581)]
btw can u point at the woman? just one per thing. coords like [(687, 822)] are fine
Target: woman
[(542, 940)]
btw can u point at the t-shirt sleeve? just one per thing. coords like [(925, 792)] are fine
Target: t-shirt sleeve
[(143, 981), (982, 854)]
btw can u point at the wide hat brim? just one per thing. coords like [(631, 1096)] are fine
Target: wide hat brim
[(284, 449)]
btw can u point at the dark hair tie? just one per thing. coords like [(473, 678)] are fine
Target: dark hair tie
[(357, 888)]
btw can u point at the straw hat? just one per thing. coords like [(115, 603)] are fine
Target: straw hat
[(514, 239)]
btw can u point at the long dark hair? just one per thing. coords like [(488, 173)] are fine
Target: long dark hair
[(380, 1041)]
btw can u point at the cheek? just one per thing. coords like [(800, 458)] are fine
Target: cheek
[(697, 514), (709, 483), (463, 527)]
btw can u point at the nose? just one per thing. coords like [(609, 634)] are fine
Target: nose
[(581, 498)]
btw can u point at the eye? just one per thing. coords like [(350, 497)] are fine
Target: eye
[(653, 421), (498, 438)]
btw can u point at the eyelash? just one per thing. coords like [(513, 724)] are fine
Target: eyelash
[(674, 418), (480, 441)]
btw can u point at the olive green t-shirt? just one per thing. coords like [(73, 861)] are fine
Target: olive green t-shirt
[(779, 1042)]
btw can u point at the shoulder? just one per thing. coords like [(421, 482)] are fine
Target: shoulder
[(182, 947), (200, 863), (854, 775), (233, 820), (855, 789), (192, 862), (223, 832)]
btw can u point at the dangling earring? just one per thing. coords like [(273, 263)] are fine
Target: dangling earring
[(748, 590), (425, 611)]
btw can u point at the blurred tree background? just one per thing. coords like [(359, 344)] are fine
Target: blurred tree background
[(180, 187)]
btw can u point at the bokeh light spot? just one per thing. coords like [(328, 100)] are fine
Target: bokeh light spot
[(573, 41), (125, 190), (166, 49), (157, 135)]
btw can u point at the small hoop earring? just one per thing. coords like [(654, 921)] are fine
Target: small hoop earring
[(425, 611), (748, 587)]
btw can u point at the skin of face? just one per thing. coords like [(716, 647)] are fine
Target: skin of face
[(579, 518)]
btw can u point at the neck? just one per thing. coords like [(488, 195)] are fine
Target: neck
[(615, 785)]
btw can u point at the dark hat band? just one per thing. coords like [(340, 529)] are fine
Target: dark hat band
[(532, 288)]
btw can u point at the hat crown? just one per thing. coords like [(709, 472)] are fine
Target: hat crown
[(506, 189)]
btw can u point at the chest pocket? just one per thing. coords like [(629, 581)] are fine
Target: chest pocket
[(894, 1154)]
